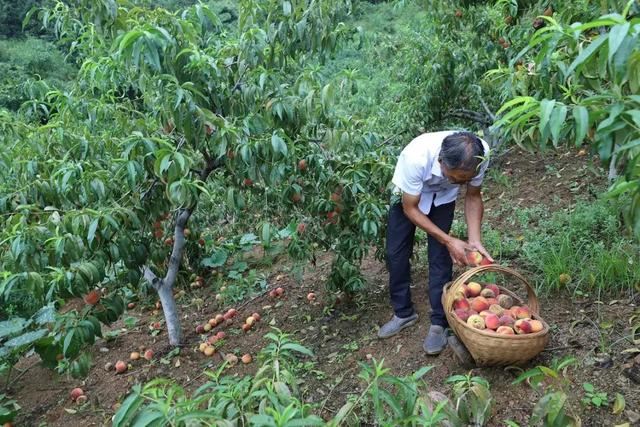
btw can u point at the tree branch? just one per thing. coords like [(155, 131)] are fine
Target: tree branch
[(151, 277)]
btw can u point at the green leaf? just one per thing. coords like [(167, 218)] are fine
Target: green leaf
[(581, 117), (128, 409), (278, 144), (298, 348), (286, 8), (546, 108), (586, 54), (556, 123), (12, 326), (217, 259), (616, 36), (92, 230), (618, 404), (26, 339)]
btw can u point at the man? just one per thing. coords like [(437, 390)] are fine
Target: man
[(428, 176)]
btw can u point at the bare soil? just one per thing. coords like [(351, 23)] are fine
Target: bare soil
[(347, 335)]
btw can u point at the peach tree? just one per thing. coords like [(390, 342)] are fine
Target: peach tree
[(107, 185), (578, 85)]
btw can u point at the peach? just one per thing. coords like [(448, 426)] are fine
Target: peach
[(206, 327), (279, 291), (484, 313), (75, 393), (199, 329), (272, 293), (131, 305), (492, 321), (256, 316), (522, 326), (228, 322), (474, 258), (121, 367), (311, 297), (505, 330), (232, 312), (536, 326), (212, 322), (487, 293), (246, 359), (221, 335), (148, 355), (462, 314), (250, 321), (492, 301), (476, 322), (494, 288), (462, 304), (474, 289), (134, 356), (231, 358), (505, 301), (506, 320), (203, 345), (212, 339), (208, 351), (246, 327), (496, 309), (81, 400), (219, 318), (479, 304), (522, 312)]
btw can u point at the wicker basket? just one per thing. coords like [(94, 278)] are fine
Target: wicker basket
[(491, 349)]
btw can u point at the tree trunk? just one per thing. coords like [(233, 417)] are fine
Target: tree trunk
[(165, 292)]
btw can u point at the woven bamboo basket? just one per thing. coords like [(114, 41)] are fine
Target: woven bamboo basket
[(489, 348)]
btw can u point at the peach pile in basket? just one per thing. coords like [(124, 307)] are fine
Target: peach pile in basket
[(486, 308)]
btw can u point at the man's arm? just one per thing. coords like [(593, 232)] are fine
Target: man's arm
[(473, 211), (455, 246)]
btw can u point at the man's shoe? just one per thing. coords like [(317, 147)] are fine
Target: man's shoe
[(436, 340), (396, 324)]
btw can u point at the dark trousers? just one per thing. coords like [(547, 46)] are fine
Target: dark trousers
[(400, 234)]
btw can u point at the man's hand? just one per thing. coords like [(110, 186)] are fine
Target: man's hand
[(476, 245), (458, 250)]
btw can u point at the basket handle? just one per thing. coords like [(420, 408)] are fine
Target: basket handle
[(532, 299)]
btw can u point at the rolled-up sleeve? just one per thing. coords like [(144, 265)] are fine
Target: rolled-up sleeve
[(409, 174)]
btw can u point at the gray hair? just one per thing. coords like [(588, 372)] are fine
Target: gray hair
[(462, 151)]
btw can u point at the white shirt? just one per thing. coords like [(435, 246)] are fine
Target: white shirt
[(418, 171)]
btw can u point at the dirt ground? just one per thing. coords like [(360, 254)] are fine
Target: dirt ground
[(348, 334)]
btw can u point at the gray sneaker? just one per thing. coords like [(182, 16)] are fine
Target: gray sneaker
[(396, 324), (436, 340)]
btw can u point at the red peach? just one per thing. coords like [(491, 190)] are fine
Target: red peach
[(463, 314), (492, 301), (272, 293), (536, 326), (75, 393), (506, 320), (221, 335), (479, 304), (492, 321), (212, 339), (212, 322), (494, 288), (246, 359), (311, 297), (199, 329), (522, 313), (148, 354), (232, 312), (462, 304), (279, 291), (246, 327), (474, 288), (474, 258), (131, 305), (120, 367), (522, 326), (505, 330), (256, 316), (81, 400), (484, 313)]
